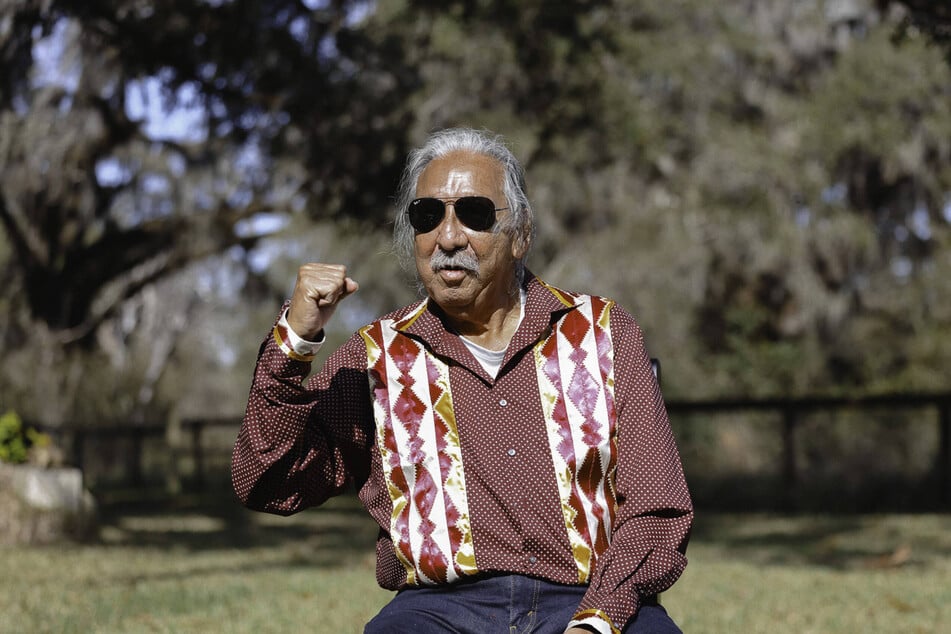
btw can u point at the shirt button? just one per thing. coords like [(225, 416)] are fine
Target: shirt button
[(510, 452), (503, 402), (532, 559)]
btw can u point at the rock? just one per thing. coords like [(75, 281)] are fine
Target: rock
[(42, 506)]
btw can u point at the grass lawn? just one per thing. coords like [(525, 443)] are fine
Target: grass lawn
[(751, 574), (217, 568)]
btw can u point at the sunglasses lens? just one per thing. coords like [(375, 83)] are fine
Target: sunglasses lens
[(425, 214), (476, 212)]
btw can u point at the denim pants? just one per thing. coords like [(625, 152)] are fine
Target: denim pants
[(505, 604)]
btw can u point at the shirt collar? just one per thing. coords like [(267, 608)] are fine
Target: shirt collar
[(544, 305)]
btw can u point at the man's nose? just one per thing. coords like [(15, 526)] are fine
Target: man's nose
[(451, 234)]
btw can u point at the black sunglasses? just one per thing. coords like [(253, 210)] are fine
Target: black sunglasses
[(475, 212)]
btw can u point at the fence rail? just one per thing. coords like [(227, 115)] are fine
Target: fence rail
[(75, 437), (791, 411)]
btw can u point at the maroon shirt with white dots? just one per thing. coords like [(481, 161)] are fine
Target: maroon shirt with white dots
[(512, 439)]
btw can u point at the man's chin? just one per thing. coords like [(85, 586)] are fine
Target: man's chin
[(450, 295)]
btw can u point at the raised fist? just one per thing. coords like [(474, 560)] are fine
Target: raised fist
[(318, 289)]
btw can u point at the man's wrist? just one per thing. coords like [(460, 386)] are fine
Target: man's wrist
[(294, 345), (594, 621)]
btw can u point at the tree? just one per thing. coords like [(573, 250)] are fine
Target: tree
[(288, 111), (749, 178), (933, 19), (140, 140)]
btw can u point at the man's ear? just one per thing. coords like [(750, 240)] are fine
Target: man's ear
[(523, 238)]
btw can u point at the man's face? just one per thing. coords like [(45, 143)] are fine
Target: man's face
[(485, 283)]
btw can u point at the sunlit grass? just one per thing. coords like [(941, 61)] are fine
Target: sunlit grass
[(228, 571), (197, 572), (816, 574)]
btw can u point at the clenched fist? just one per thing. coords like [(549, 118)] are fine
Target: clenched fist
[(318, 289)]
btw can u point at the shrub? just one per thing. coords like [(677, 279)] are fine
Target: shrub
[(16, 441)]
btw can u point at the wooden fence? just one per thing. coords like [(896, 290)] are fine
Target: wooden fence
[(192, 434), (791, 411), (76, 439)]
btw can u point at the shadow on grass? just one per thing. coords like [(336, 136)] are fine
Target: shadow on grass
[(341, 533), (286, 562), (334, 534), (837, 542), (872, 493)]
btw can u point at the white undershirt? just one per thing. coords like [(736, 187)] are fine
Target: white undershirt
[(491, 360)]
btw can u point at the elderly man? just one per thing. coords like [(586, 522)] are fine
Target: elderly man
[(508, 437)]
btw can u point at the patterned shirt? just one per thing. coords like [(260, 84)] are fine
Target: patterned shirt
[(563, 466)]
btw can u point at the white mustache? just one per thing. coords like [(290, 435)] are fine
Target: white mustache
[(457, 260)]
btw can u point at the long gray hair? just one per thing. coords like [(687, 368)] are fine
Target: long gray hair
[(520, 223)]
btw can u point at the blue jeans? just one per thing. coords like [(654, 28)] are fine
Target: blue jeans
[(505, 604)]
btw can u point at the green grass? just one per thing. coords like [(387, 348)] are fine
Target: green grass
[(216, 568), (886, 573)]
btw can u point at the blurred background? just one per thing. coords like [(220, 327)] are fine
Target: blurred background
[(765, 185)]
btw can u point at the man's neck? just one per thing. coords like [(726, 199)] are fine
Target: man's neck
[(494, 331)]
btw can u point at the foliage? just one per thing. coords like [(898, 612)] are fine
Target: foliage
[(16, 440), (12, 439), (750, 179), (933, 19), (96, 205)]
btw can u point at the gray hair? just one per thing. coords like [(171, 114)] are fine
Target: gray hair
[(520, 223)]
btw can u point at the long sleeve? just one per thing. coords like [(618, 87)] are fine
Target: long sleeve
[(654, 512), (301, 443)]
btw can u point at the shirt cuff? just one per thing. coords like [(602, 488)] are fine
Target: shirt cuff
[(292, 344), (596, 619)]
